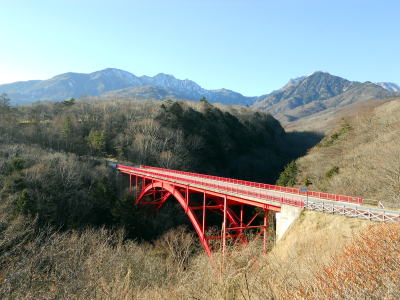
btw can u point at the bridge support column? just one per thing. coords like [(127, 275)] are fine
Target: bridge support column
[(285, 218), (136, 187), (130, 184), (265, 231)]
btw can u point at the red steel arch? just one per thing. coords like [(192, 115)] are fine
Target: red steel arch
[(228, 202), (168, 191)]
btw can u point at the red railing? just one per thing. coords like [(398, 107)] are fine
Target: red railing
[(332, 197), (226, 188)]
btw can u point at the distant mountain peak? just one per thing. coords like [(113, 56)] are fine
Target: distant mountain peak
[(323, 74), (67, 74), (293, 81), (310, 94), (164, 76), (320, 72), (110, 70), (315, 76)]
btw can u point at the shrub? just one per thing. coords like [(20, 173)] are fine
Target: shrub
[(329, 140), (24, 201), (16, 164), (333, 171), (307, 181)]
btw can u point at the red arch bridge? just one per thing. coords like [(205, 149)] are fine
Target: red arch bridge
[(200, 195)]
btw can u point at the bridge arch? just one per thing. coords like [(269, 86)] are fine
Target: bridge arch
[(184, 204)]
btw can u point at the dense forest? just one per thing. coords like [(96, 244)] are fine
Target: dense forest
[(225, 140)]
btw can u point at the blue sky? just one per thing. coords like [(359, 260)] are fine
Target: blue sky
[(250, 46)]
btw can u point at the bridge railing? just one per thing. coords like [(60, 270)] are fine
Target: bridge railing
[(216, 186), (328, 196)]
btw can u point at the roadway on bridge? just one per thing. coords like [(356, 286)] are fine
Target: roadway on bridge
[(261, 191), (184, 181), (239, 190)]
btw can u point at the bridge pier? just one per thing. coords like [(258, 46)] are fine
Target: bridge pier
[(285, 218)]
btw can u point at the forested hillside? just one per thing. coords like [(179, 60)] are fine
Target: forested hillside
[(53, 155), (195, 136)]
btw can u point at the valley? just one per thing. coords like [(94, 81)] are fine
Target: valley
[(65, 211)]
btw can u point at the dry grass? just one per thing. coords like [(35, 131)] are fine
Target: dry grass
[(90, 264), (329, 119), (306, 248), (99, 264), (369, 268), (313, 239)]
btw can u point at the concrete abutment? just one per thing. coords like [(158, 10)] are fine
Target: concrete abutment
[(285, 218)]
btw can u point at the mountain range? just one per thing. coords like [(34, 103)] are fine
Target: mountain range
[(119, 83), (300, 98)]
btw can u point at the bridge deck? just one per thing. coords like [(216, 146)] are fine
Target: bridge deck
[(260, 196), (243, 190), (236, 194)]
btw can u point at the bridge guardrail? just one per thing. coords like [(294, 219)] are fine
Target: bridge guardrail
[(327, 196), (230, 189)]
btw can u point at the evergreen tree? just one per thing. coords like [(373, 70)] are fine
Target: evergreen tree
[(97, 141), (288, 176)]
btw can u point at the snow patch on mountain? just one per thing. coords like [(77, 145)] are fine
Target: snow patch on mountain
[(390, 86)]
